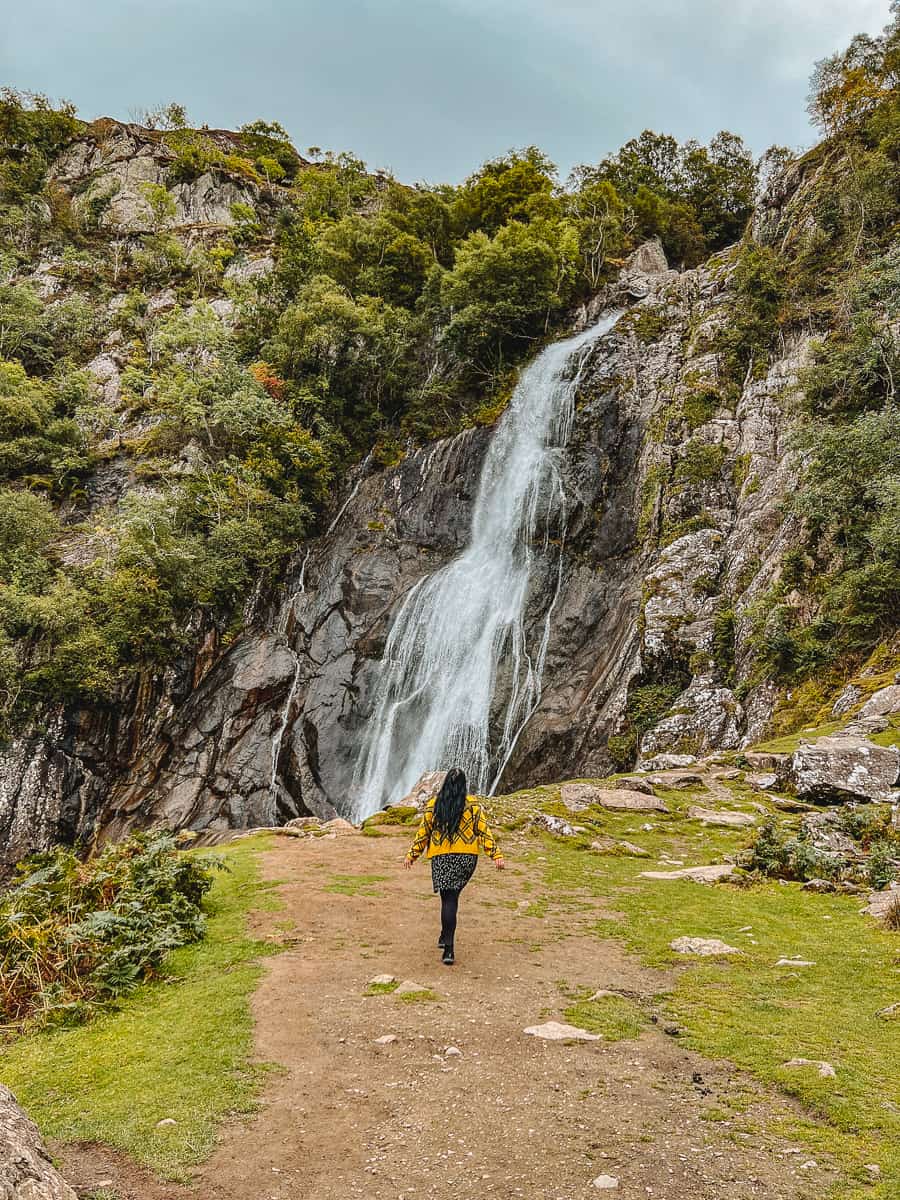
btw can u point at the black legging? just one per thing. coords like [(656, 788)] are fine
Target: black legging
[(449, 906)]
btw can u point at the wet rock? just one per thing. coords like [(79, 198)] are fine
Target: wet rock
[(26, 1169), (708, 874), (586, 794), (725, 817), (704, 947), (833, 770), (556, 1031)]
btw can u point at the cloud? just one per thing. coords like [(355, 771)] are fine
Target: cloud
[(429, 88)]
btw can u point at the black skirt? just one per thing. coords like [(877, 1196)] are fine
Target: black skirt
[(451, 872)]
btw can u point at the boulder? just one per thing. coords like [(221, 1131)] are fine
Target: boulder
[(26, 1170), (633, 783), (762, 781), (883, 702), (726, 817), (768, 761), (880, 903), (847, 699), (681, 781), (833, 770), (585, 794), (668, 762), (708, 874)]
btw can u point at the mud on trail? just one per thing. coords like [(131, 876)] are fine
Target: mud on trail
[(511, 1115)]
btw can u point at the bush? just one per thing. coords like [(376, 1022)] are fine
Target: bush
[(74, 935)]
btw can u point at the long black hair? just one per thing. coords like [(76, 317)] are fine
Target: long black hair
[(449, 805)]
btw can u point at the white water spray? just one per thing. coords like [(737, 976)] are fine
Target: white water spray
[(460, 626)]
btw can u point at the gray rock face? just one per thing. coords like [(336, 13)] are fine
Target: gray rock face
[(836, 769), (269, 727), (883, 702), (26, 1171)]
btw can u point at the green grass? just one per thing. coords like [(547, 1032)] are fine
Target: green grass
[(355, 885), (424, 996), (613, 1017), (178, 1048), (754, 1015), (381, 989)]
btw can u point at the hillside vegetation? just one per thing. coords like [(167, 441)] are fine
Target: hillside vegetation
[(329, 313)]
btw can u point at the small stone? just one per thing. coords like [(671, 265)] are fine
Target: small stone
[(386, 1039), (763, 782), (809, 1165), (873, 1169), (794, 962), (630, 783), (556, 1031), (409, 987), (606, 1181), (705, 947), (453, 1052), (166, 1123), (381, 980), (891, 1013), (825, 1069)]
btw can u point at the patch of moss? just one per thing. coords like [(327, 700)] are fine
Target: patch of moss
[(355, 885)]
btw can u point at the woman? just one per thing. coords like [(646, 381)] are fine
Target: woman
[(453, 832)]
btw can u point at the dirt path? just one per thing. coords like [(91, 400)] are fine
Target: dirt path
[(509, 1116)]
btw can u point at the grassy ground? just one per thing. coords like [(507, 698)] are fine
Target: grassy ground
[(178, 1048), (744, 1008)]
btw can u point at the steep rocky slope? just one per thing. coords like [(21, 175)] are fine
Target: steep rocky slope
[(677, 532)]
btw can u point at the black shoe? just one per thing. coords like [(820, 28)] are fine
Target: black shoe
[(447, 958)]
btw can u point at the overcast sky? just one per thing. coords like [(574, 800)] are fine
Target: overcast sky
[(430, 88)]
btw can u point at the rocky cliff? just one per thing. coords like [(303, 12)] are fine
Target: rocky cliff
[(677, 531)]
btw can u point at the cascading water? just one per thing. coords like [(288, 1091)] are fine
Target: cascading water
[(458, 627)]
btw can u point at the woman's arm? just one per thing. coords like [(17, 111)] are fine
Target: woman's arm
[(422, 838), (488, 844)]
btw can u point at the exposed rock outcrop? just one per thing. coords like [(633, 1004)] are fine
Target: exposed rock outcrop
[(26, 1170)]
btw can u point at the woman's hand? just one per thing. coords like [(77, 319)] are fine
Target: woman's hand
[(407, 864), (500, 864)]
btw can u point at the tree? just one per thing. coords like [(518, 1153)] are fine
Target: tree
[(501, 189)]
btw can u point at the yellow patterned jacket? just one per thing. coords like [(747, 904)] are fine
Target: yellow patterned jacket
[(472, 837)]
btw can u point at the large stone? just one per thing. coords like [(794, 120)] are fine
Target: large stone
[(833, 770), (26, 1170), (727, 817), (883, 902), (883, 702), (427, 787), (710, 874), (581, 795)]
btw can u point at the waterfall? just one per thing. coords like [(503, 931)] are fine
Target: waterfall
[(436, 692)]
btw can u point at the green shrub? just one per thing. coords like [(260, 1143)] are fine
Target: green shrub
[(74, 935)]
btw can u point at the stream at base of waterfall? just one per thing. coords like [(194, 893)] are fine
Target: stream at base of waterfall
[(461, 628)]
